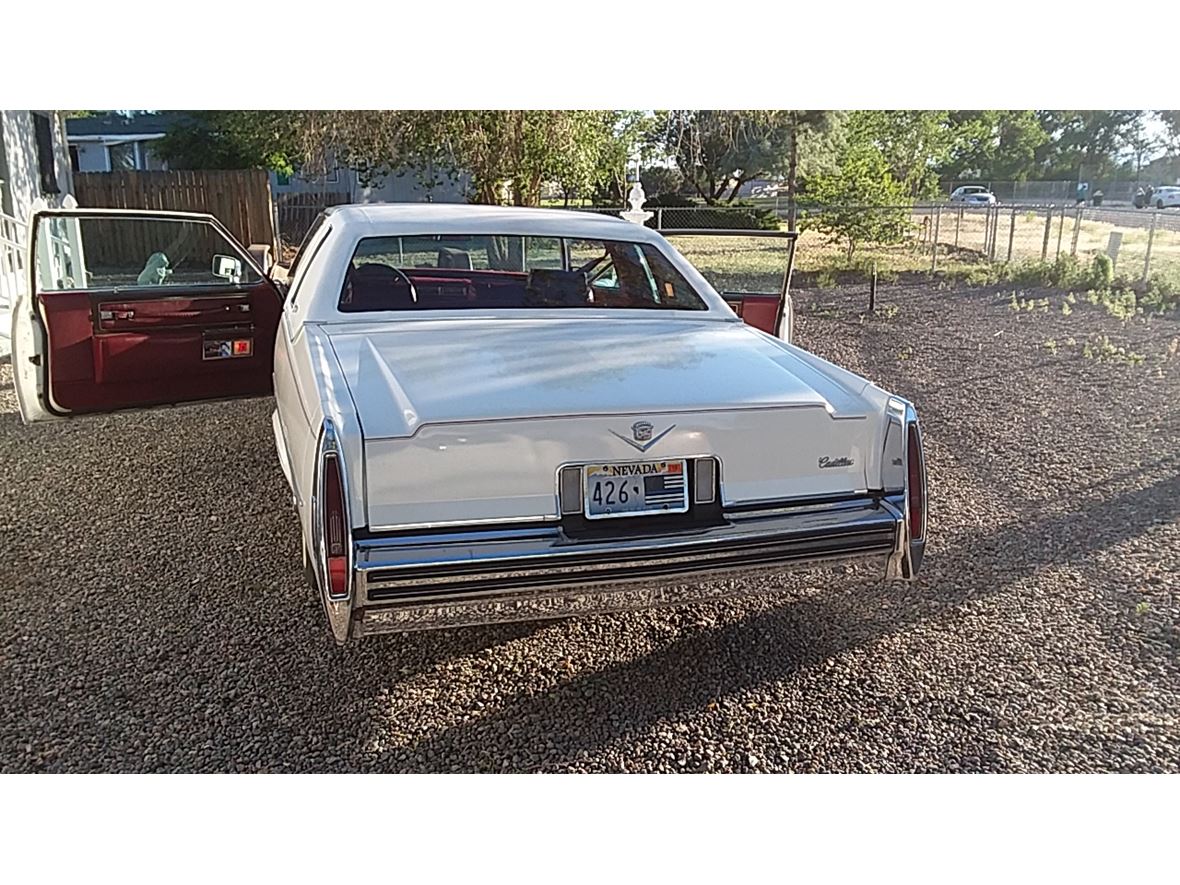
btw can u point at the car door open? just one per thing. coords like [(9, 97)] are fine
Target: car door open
[(128, 309), (713, 252)]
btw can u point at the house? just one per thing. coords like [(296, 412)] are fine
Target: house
[(345, 186), (34, 165), (117, 141)]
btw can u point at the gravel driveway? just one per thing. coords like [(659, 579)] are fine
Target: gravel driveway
[(152, 615)]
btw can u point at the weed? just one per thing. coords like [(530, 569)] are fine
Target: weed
[(1161, 294), (1100, 348), (1143, 608), (1066, 310), (1051, 346)]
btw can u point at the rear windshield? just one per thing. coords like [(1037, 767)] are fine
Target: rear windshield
[(511, 272)]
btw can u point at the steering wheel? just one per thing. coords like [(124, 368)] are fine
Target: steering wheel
[(591, 264), (409, 282)]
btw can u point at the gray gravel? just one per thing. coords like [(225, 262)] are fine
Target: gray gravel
[(152, 615)]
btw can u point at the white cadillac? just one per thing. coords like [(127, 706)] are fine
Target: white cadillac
[(486, 414)]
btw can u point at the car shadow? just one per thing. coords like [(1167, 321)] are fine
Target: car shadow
[(769, 646)]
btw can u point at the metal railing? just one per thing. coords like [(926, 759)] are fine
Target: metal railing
[(13, 272)]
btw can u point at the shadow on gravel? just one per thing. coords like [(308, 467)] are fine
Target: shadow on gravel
[(685, 676)]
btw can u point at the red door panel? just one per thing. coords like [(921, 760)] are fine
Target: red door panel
[(110, 351), (759, 311)]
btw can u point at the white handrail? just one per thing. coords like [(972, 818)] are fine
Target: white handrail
[(13, 243)]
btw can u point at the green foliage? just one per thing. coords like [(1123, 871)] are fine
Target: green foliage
[(669, 201), (862, 180), (719, 151), (1101, 272), (1161, 294), (662, 180), (1100, 348), (1085, 142), (1067, 272), (233, 140), (736, 216), (994, 145), (913, 144)]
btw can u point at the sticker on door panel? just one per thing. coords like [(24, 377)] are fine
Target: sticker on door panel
[(227, 348)]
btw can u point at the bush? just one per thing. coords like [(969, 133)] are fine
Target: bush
[(1064, 273), (733, 216), (668, 200), (1101, 272), (1161, 294)]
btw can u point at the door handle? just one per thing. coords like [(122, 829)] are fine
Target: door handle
[(116, 314)]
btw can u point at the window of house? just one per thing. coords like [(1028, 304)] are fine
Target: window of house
[(122, 156), (46, 167), (74, 158)]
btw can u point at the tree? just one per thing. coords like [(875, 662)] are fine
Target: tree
[(1143, 142), (862, 201), (233, 140), (507, 155), (661, 180), (719, 151), (1171, 121), (914, 144), (1085, 144), (994, 145), (811, 149)]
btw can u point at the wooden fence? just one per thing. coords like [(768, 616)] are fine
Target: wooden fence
[(239, 199)]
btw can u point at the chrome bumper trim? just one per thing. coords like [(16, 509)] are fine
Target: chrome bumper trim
[(490, 576)]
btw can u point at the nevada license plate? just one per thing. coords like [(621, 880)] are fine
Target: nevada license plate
[(636, 488)]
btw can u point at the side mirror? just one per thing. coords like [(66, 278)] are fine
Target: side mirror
[(227, 267), (261, 254)]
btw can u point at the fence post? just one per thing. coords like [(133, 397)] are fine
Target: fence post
[(1060, 231), (1048, 230), (873, 289), (660, 218), (1150, 240), (1011, 234), (1077, 224), (934, 250), (994, 211), (958, 224)]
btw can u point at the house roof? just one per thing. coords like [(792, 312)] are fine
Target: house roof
[(118, 124)]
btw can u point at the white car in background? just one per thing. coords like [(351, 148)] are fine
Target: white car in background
[(1165, 197), (485, 414), (973, 194)]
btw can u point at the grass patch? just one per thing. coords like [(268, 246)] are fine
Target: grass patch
[(1100, 348)]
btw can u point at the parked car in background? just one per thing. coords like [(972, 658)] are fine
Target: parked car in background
[(1165, 197), (985, 199), (973, 193), (485, 413)]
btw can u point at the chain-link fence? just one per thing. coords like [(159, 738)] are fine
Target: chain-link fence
[(894, 239), (945, 236)]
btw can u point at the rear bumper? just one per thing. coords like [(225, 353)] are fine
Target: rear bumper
[(459, 578)]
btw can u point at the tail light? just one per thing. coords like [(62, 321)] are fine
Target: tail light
[(335, 533), (916, 483)]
